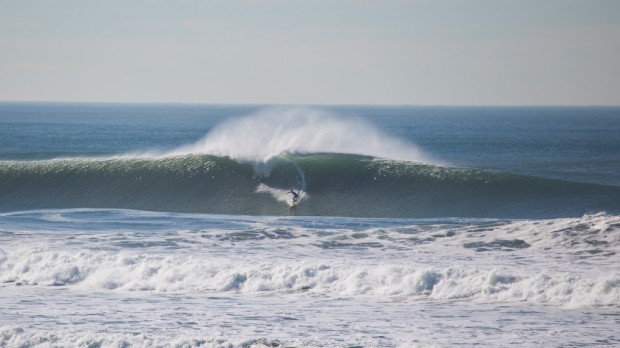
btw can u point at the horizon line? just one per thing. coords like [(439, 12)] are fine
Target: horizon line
[(307, 104)]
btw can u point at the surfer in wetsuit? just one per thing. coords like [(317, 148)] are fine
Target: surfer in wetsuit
[(295, 195)]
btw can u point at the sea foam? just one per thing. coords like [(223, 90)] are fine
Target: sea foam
[(146, 272), (11, 336)]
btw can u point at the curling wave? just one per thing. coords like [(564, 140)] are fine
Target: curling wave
[(335, 184)]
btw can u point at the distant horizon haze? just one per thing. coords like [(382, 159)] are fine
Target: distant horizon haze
[(342, 52)]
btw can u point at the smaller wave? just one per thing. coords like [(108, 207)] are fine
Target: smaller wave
[(142, 272)]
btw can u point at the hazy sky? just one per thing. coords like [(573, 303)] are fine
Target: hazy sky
[(446, 52)]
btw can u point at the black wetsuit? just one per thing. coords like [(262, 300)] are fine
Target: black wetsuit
[(295, 195)]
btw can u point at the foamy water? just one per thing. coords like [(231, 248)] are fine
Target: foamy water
[(342, 275)]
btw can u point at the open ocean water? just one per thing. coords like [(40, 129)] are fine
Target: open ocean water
[(170, 226)]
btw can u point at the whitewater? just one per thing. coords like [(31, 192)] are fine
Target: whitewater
[(418, 227)]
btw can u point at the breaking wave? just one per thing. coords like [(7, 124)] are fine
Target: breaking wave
[(344, 166), (147, 272), (334, 184)]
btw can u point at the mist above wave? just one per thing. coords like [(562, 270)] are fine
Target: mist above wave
[(263, 136)]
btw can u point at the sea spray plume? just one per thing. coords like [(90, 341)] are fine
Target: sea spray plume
[(261, 137)]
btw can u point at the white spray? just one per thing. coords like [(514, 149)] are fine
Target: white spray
[(262, 137)]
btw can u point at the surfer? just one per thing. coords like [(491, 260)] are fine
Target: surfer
[(295, 195)]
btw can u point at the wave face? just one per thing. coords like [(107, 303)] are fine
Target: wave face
[(334, 184)]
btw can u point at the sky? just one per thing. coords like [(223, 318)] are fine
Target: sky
[(390, 52)]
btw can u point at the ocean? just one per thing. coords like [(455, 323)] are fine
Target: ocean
[(163, 225)]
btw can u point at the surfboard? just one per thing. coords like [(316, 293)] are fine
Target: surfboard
[(294, 203)]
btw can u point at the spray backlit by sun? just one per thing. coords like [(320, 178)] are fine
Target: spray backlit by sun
[(280, 131)]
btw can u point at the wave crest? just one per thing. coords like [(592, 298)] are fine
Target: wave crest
[(261, 137)]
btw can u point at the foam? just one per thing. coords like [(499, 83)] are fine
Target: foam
[(144, 272), (11, 336), (278, 194)]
